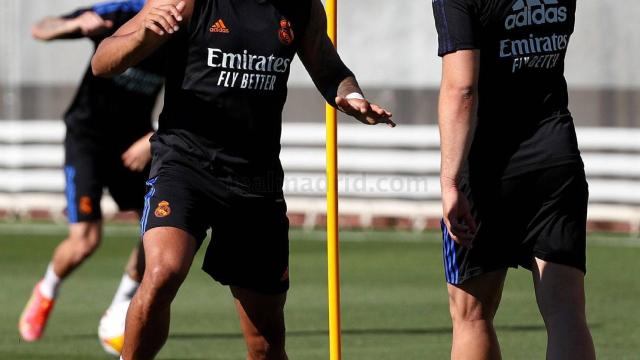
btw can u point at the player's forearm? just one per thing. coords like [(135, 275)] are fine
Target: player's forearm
[(118, 53), (456, 112), (52, 28), (332, 78), (457, 125), (349, 86)]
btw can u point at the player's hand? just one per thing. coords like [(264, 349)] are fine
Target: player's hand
[(457, 216), (366, 113), (138, 155), (91, 24), (162, 20)]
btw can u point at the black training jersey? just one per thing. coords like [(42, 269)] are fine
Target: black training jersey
[(227, 85), (115, 112), (523, 119)]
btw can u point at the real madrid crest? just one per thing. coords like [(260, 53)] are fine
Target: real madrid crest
[(285, 33), (163, 209)]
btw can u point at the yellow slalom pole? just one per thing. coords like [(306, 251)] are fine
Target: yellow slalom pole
[(333, 249)]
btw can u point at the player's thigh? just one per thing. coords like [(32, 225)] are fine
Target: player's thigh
[(261, 315), (557, 233), (250, 245), (477, 298), (500, 230), (172, 225), (169, 253), (559, 289), (173, 201)]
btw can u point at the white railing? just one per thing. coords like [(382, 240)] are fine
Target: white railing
[(383, 172)]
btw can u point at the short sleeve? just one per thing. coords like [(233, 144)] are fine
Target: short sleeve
[(119, 12), (456, 25), (125, 7)]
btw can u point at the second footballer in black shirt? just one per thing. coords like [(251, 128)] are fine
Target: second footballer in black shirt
[(513, 184)]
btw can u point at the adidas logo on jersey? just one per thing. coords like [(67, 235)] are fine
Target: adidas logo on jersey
[(535, 12), (219, 27)]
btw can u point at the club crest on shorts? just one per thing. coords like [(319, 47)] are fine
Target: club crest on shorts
[(285, 276), (86, 206), (163, 209), (285, 33)]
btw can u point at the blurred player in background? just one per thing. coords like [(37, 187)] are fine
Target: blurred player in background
[(216, 153), (513, 184), (107, 145)]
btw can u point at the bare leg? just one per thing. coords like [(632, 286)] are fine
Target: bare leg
[(561, 299), (84, 238), (262, 323), (169, 253), (132, 278), (473, 306), (135, 264)]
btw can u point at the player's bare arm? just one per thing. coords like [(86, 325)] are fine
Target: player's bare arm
[(457, 104), (141, 36), (88, 24), (324, 65)]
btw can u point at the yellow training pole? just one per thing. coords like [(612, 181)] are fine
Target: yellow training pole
[(333, 250)]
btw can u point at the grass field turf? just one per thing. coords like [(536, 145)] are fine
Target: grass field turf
[(394, 301)]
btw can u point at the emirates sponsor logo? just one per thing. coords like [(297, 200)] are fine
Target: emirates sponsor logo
[(248, 71)]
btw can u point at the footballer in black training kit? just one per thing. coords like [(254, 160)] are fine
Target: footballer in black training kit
[(108, 127), (105, 118), (513, 183), (216, 153)]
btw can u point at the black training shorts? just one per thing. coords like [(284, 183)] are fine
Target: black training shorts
[(249, 246), (89, 168), (541, 214)]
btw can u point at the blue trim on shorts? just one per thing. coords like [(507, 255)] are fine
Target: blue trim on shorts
[(133, 6), (147, 205), (70, 192), (451, 267)]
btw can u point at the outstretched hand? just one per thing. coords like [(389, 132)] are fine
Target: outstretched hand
[(365, 112)]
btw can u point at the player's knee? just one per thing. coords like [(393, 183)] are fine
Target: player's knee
[(164, 281), (260, 348), (472, 309), (86, 243)]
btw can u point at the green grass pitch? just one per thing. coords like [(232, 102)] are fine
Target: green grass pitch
[(394, 304)]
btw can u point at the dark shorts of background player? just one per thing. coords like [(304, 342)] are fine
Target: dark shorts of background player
[(249, 245), (89, 168), (541, 214)]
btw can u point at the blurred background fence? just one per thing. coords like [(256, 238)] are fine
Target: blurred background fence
[(389, 177)]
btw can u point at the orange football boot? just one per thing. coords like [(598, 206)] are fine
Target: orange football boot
[(35, 315)]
